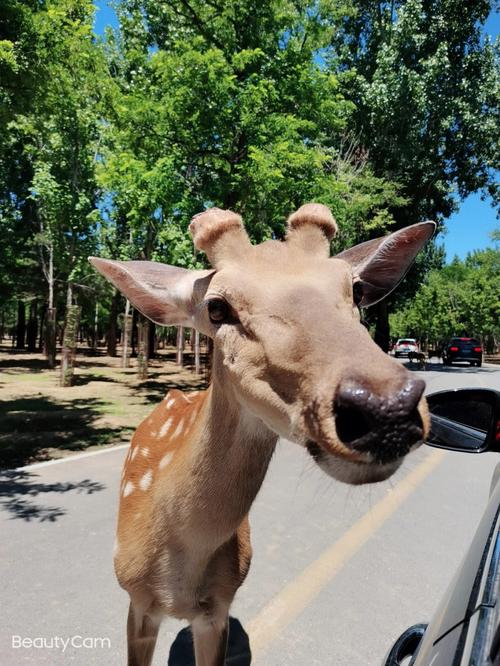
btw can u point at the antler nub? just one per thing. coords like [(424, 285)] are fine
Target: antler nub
[(219, 233), (311, 228), (313, 214)]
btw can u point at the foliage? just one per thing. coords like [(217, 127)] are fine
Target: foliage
[(425, 84), (463, 298), (386, 112)]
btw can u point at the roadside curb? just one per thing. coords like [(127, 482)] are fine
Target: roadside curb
[(57, 461)]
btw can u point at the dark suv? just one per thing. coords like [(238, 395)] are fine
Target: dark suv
[(463, 349)]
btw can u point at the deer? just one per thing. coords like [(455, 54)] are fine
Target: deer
[(291, 359)]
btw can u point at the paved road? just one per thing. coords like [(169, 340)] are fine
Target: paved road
[(338, 572)]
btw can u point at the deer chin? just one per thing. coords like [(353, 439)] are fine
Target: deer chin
[(352, 472)]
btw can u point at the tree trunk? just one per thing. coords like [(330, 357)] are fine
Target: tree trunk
[(50, 337), (382, 331), (197, 364), (127, 331), (32, 328), (142, 346), (69, 340), (180, 345), (95, 332), (21, 325), (151, 340), (134, 334), (113, 316)]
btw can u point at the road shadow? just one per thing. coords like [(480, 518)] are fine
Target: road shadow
[(18, 488), (28, 426), (238, 647)]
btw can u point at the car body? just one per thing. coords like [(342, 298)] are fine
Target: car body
[(463, 349), (404, 346), (465, 629)]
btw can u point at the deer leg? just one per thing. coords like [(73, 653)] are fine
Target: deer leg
[(142, 631), (210, 635)]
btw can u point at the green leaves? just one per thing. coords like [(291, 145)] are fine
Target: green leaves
[(462, 298)]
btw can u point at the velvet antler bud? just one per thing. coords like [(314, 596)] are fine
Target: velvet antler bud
[(312, 227), (220, 234)]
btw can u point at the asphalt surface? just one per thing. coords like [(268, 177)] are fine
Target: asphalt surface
[(338, 572)]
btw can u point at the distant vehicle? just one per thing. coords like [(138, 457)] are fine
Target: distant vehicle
[(404, 346), (463, 349)]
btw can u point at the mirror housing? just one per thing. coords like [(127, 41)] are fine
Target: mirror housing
[(465, 420)]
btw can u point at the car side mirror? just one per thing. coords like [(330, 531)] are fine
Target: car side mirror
[(465, 420)]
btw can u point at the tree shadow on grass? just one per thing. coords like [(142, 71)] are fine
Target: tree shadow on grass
[(29, 426), (12, 364), (82, 379), (154, 390), (18, 487)]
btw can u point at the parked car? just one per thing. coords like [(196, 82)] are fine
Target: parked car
[(404, 346), (465, 629), (463, 349)]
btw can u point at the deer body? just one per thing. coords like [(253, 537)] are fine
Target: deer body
[(290, 359), (188, 482)]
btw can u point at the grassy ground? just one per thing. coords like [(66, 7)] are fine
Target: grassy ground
[(40, 420)]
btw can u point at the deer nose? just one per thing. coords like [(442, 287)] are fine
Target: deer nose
[(384, 425)]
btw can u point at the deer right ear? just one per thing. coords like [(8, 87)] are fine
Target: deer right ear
[(382, 263), (165, 294)]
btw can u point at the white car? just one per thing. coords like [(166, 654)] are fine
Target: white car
[(404, 346)]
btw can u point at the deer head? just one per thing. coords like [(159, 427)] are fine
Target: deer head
[(289, 346)]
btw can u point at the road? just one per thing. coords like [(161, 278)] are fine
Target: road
[(338, 572)]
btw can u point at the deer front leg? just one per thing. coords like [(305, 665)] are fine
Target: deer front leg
[(210, 634), (142, 631)]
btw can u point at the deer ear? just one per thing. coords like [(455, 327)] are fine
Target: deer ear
[(165, 294), (382, 263)]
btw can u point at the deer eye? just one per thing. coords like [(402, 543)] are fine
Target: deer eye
[(357, 292), (218, 310)]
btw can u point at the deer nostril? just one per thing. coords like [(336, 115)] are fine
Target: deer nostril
[(351, 408), (352, 423)]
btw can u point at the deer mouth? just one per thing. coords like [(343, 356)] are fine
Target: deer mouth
[(356, 472)]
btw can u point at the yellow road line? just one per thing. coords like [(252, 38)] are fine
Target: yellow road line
[(299, 593)]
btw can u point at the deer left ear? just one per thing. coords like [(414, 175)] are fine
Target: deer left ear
[(165, 294), (382, 263)]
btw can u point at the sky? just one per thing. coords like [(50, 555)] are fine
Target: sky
[(468, 229)]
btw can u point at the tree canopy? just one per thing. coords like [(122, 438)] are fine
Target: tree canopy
[(386, 112)]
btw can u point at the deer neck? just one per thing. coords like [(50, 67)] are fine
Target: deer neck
[(229, 461)]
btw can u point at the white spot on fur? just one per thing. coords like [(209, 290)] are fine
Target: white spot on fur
[(134, 453), (129, 488), (170, 403), (193, 416), (165, 427), (145, 451), (166, 459), (146, 480), (179, 429)]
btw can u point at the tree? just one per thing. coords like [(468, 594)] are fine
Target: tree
[(460, 299), (424, 82)]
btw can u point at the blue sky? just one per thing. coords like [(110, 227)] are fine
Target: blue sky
[(467, 230)]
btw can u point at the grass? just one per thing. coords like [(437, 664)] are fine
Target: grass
[(40, 420)]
